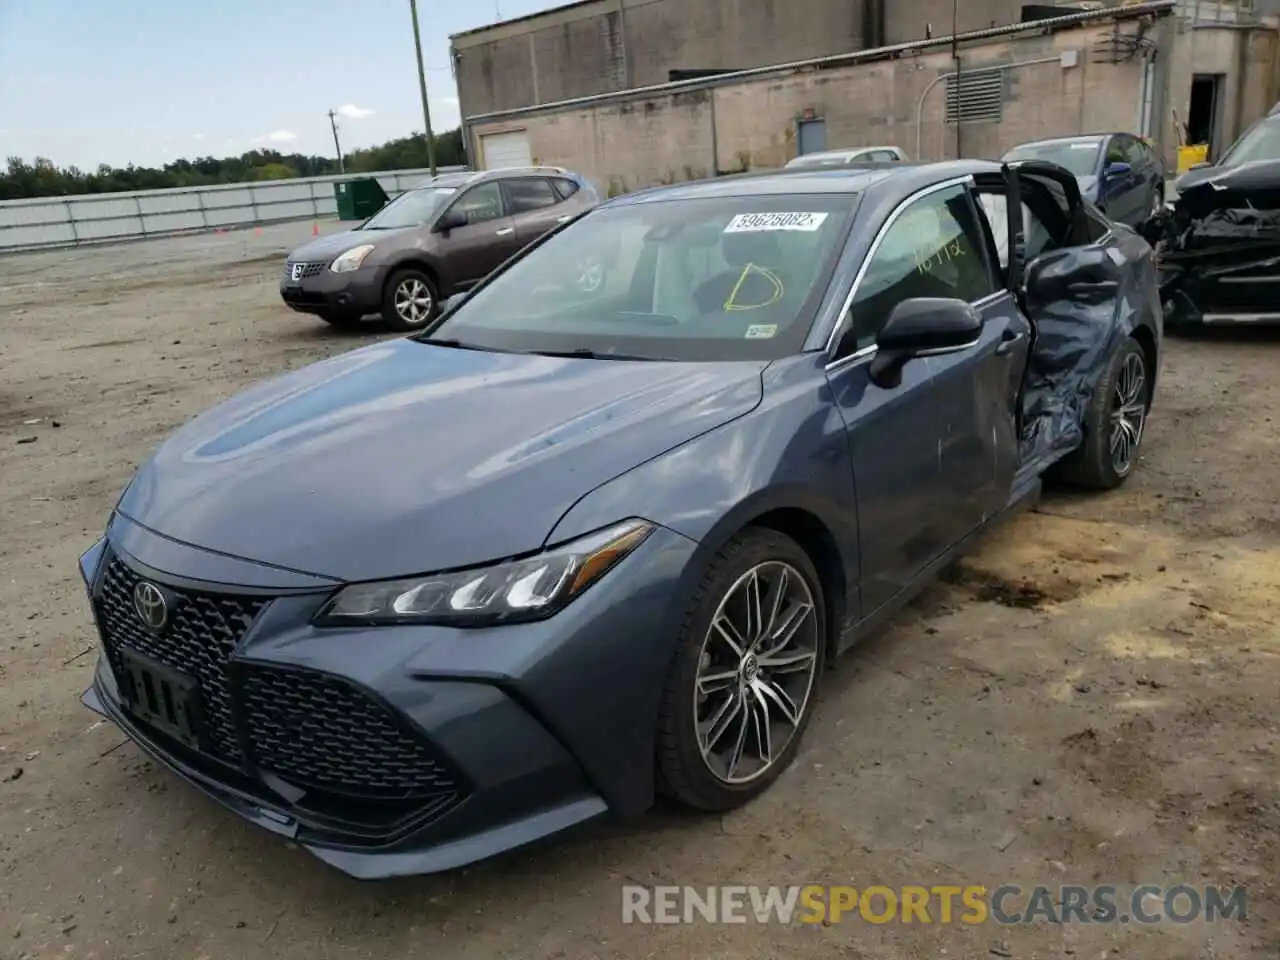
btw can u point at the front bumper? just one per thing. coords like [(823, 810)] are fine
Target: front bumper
[(402, 750), (356, 293)]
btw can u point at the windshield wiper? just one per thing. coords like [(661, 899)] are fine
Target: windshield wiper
[(584, 354), (463, 345)]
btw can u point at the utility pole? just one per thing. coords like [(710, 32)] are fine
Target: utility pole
[(333, 123), (422, 87)]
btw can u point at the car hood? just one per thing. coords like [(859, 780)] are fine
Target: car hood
[(405, 457), (1253, 184), (327, 248)]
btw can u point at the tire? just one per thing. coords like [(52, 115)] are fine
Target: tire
[(704, 657), (403, 312), (1094, 464), (345, 321)]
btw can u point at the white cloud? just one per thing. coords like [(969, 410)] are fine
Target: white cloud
[(197, 136), (277, 136), (352, 112)]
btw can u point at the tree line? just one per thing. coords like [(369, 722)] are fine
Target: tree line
[(42, 178)]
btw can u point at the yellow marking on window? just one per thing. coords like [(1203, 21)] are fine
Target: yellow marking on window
[(731, 304)]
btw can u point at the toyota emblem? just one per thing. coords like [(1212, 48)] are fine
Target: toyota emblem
[(151, 606)]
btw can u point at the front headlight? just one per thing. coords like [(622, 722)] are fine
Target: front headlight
[(520, 590), (351, 259)]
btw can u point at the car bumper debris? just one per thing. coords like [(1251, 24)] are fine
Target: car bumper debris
[(1220, 249)]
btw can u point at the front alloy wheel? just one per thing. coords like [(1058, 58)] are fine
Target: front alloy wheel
[(413, 301), (410, 301), (756, 672), (740, 690)]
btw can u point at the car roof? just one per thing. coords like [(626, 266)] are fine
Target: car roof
[(466, 177), (1078, 138), (846, 152), (904, 178)]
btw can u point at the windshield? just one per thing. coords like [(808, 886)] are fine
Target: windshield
[(413, 209), (1080, 157), (1262, 142), (702, 279)]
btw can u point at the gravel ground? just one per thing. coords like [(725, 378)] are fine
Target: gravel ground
[(1087, 699)]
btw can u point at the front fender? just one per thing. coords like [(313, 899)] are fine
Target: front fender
[(790, 453)]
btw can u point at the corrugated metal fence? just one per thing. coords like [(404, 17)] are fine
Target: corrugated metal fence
[(105, 217)]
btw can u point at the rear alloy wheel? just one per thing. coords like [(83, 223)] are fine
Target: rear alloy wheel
[(1128, 413), (410, 301), (741, 689), (1115, 421)]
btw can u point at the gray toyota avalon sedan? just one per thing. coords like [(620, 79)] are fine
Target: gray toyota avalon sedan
[(578, 543)]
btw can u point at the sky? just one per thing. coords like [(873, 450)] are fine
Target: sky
[(88, 82)]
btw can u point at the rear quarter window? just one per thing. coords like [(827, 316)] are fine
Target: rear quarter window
[(566, 188)]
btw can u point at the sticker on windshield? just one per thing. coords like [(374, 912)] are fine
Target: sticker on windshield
[(762, 331), (758, 222)]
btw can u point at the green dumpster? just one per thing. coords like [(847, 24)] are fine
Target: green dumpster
[(359, 199)]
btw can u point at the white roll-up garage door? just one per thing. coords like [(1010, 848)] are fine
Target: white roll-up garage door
[(506, 150)]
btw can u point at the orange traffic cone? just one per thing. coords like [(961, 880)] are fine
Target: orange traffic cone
[(257, 231), (315, 229)]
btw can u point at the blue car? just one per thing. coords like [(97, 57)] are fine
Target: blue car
[(1117, 172), (578, 543)]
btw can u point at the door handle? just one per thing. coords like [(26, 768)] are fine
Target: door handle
[(506, 231), (1007, 340)]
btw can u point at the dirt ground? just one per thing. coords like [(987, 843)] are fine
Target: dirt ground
[(1090, 699)]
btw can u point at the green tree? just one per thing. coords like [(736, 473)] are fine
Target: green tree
[(42, 178)]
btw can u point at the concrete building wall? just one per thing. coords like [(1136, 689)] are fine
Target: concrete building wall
[(1247, 60), (602, 46), (635, 142)]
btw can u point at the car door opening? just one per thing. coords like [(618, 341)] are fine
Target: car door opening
[(1082, 284)]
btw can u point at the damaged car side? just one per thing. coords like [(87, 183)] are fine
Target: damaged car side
[(566, 548), (1219, 246)]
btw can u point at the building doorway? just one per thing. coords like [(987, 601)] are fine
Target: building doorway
[(1204, 118), (811, 136)]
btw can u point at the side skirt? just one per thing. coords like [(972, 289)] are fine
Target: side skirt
[(1024, 498)]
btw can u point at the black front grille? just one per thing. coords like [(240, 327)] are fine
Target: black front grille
[(318, 731), (359, 764), (203, 630), (308, 270)]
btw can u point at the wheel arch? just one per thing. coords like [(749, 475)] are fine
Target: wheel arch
[(414, 262), (795, 515), (1146, 339)]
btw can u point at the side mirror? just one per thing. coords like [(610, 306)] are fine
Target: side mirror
[(453, 303), (450, 220), (1117, 169), (922, 327)]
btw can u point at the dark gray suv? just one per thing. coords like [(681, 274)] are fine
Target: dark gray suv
[(429, 243)]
